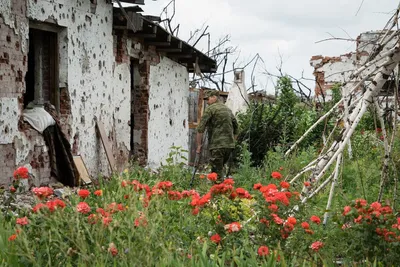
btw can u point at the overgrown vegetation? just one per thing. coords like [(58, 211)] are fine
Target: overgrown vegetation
[(140, 218)]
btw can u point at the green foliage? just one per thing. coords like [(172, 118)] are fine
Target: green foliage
[(267, 126)]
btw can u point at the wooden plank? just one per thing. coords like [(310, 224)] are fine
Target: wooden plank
[(107, 145), (82, 170)]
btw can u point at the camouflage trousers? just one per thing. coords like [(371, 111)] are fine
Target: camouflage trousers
[(218, 158)]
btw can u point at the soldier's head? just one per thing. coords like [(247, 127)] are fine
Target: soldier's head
[(211, 96)]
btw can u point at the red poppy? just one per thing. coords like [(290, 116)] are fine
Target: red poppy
[(376, 205), (107, 220), (202, 176), (216, 238), (83, 193), (233, 227), (212, 176), (307, 184), (22, 221), (308, 231), (317, 245), (113, 251), (12, 237), (305, 225), (346, 210), (285, 184), (315, 219), (257, 186), (276, 175), (83, 207), (38, 207), (358, 219), (360, 203), (42, 192), (12, 189), (21, 173), (292, 220), (273, 208), (98, 192), (195, 211), (124, 183), (263, 251)]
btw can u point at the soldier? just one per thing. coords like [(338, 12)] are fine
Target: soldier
[(222, 129)]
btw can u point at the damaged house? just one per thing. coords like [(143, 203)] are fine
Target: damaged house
[(104, 80), (332, 70)]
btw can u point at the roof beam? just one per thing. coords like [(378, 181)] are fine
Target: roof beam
[(137, 2), (180, 55), (156, 43), (178, 48), (146, 35)]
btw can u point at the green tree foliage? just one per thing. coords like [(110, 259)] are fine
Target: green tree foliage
[(280, 123)]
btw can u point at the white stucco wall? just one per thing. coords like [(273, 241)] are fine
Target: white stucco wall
[(168, 104), (97, 87)]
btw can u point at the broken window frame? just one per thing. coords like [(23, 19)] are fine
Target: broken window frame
[(54, 64)]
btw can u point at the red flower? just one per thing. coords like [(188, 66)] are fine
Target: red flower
[(12, 189), (308, 231), (263, 251), (285, 184), (360, 203), (276, 175), (216, 238), (257, 186), (112, 249), (281, 168), (83, 208), (98, 192), (346, 210), (107, 220), (305, 225), (22, 221), (273, 208), (276, 218), (229, 181), (21, 173), (376, 205), (124, 183), (195, 211), (141, 221), (233, 227), (212, 176), (317, 245), (202, 176), (358, 219), (307, 184), (315, 219), (292, 220), (42, 192), (12, 237), (38, 207), (83, 193)]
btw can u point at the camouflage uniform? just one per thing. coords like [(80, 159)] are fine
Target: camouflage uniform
[(221, 127)]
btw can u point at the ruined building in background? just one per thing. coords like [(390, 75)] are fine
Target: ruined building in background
[(95, 64), (331, 70)]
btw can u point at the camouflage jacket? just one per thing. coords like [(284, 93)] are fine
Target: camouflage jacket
[(221, 126)]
